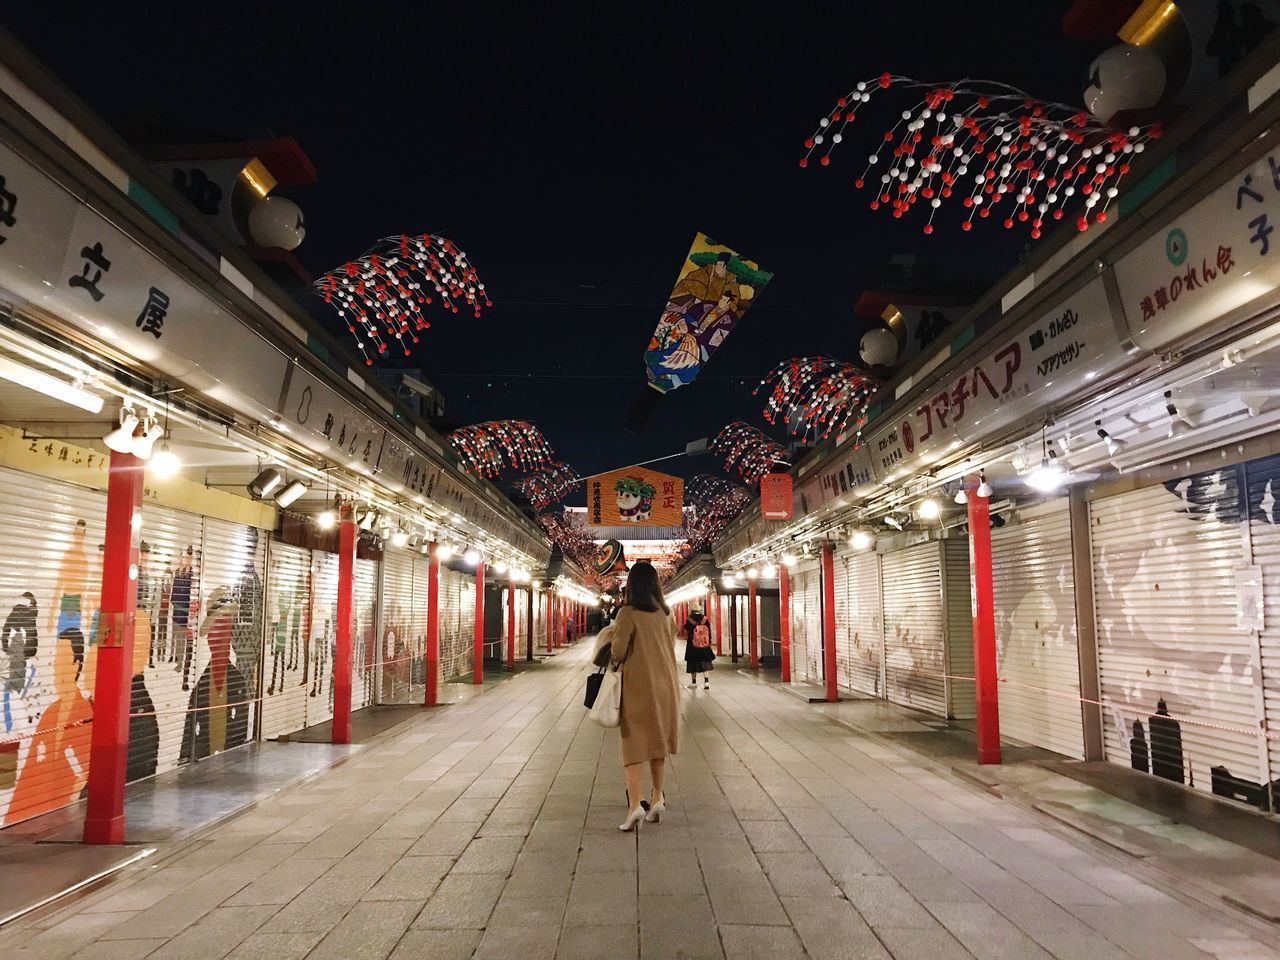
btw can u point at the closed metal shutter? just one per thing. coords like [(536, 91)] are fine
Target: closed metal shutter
[(1165, 599), (859, 634), (50, 576), (913, 629), (957, 596), (417, 629), (1036, 641), (806, 624), (457, 623), (1264, 530), (324, 630), (396, 647), (285, 667), (364, 634)]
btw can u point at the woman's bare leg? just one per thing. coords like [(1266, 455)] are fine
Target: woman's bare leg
[(657, 773), (633, 773)]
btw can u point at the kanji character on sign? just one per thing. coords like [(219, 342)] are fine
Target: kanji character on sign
[(1225, 263), (95, 262), (1244, 190), (151, 319), (8, 202), (1189, 278), (1148, 308), (1162, 298)]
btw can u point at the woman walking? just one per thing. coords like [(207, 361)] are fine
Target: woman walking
[(698, 655), (641, 639)]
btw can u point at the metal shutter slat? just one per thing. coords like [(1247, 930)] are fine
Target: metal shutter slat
[(859, 631), (913, 630), (285, 671)]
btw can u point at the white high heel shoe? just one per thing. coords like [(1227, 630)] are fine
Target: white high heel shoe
[(657, 810), (633, 821)]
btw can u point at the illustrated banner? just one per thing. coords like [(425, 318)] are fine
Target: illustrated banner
[(635, 495), (715, 288)]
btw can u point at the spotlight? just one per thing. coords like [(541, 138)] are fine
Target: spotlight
[(325, 519), (729, 581), (862, 540), (121, 438), (929, 509), (266, 481), (164, 465), (961, 497), (145, 443), (769, 571), (399, 539), (1047, 477), (752, 573), (984, 488), (472, 556), (893, 521), (1179, 421), (291, 492), (788, 559), (444, 551), (367, 521), (1113, 445), (500, 567)]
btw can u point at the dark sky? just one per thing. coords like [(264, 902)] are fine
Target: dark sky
[(574, 159)]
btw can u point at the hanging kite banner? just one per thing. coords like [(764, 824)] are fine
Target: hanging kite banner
[(635, 495), (715, 288)]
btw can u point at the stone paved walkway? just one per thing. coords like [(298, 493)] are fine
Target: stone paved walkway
[(489, 830)]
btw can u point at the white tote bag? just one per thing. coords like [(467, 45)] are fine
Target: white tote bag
[(607, 710)]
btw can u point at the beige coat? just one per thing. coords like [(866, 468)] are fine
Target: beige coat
[(650, 688)]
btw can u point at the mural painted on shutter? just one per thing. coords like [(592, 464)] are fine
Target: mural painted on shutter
[(286, 670)]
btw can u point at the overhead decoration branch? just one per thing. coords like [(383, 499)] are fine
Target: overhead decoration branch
[(715, 502), (568, 531), (817, 397), (381, 295), (548, 486), (992, 147), (747, 451), (489, 448)]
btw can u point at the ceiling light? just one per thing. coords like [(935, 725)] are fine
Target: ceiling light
[(893, 521), (769, 571), (325, 519), (292, 491), (984, 488), (961, 497), (1180, 421), (862, 540), (929, 509), (500, 567), (399, 539), (50, 386), (164, 464), (788, 559), (1047, 477), (145, 442), (1113, 445), (120, 439), (444, 551), (367, 521), (265, 482), (472, 556), (752, 573), (729, 581)]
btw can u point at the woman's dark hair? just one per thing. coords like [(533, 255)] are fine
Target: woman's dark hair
[(643, 590)]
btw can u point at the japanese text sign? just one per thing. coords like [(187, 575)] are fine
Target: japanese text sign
[(635, 495), (775, 496)]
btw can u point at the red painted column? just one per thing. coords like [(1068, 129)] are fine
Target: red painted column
[(719, 630), (113, 679), (784, 619), (511, 626), (432, 695), (347, 537), (752, 633), (528, 625), (984, 628), (477, 654), (829, 620)]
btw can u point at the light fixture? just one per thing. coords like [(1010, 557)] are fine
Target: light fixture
[(265, 482), (50, 386), (325, 519), (893, 521), (120, 440), (164, 464), (729, 581), (769, 571), (862, 540), (961, 496), (145, 442), (984, 488), (1048, 476), (1113, 445), (368, 520), (472, 556), (399, 539), (752, 573), (1179, 421), (929, 509), (788, 559), (501, 567), (291, 492), (444, 551)]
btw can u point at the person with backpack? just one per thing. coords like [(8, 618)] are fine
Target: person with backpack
[(698, 655)]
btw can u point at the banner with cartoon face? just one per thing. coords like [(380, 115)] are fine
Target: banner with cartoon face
[(636, 496)]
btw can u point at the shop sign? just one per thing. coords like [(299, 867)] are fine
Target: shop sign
[(849, 473), (635, 495), (1052, 357), (1208, 261), (775, 496), (64, 257)]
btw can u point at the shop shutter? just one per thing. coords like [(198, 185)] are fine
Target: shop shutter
[(1165, 599), (364, 635), (1264, 530), (285, 674), (232, 568), (913, 627), (1036, 652), (957, 598), (324, 628), (417, 628), (806, 624), (769, 636), (458, 615), (859, 634), (47, 556), (170, 588), (397, 641)]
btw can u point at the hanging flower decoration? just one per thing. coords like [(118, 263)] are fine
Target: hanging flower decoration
[(489, 448), (568, 531), (381, 295), (818, 396), (748, 451), (715, 502), (548, 486), (983, 143)]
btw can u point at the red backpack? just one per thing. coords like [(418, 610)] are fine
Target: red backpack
[(701, 636)]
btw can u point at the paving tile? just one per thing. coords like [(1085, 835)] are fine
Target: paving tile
[(906, 943), (798, 875), (613, 941), (833, 930), (495, 855), (118, 949), (678, 927), (461, 902), (275, 946), (410, 878), (370, 930), (761, 943), (436, 945), (603, 899), (216, 934)]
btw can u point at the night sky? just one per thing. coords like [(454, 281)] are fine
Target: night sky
[(574, 159)]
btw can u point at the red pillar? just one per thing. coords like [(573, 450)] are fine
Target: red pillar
[(433, 627), (511, 626), (829, 620), (113, 679), (754, 639), (784, 619), (477, 654), (984, 628), (528, 625), (719, 630), (347, 537)]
